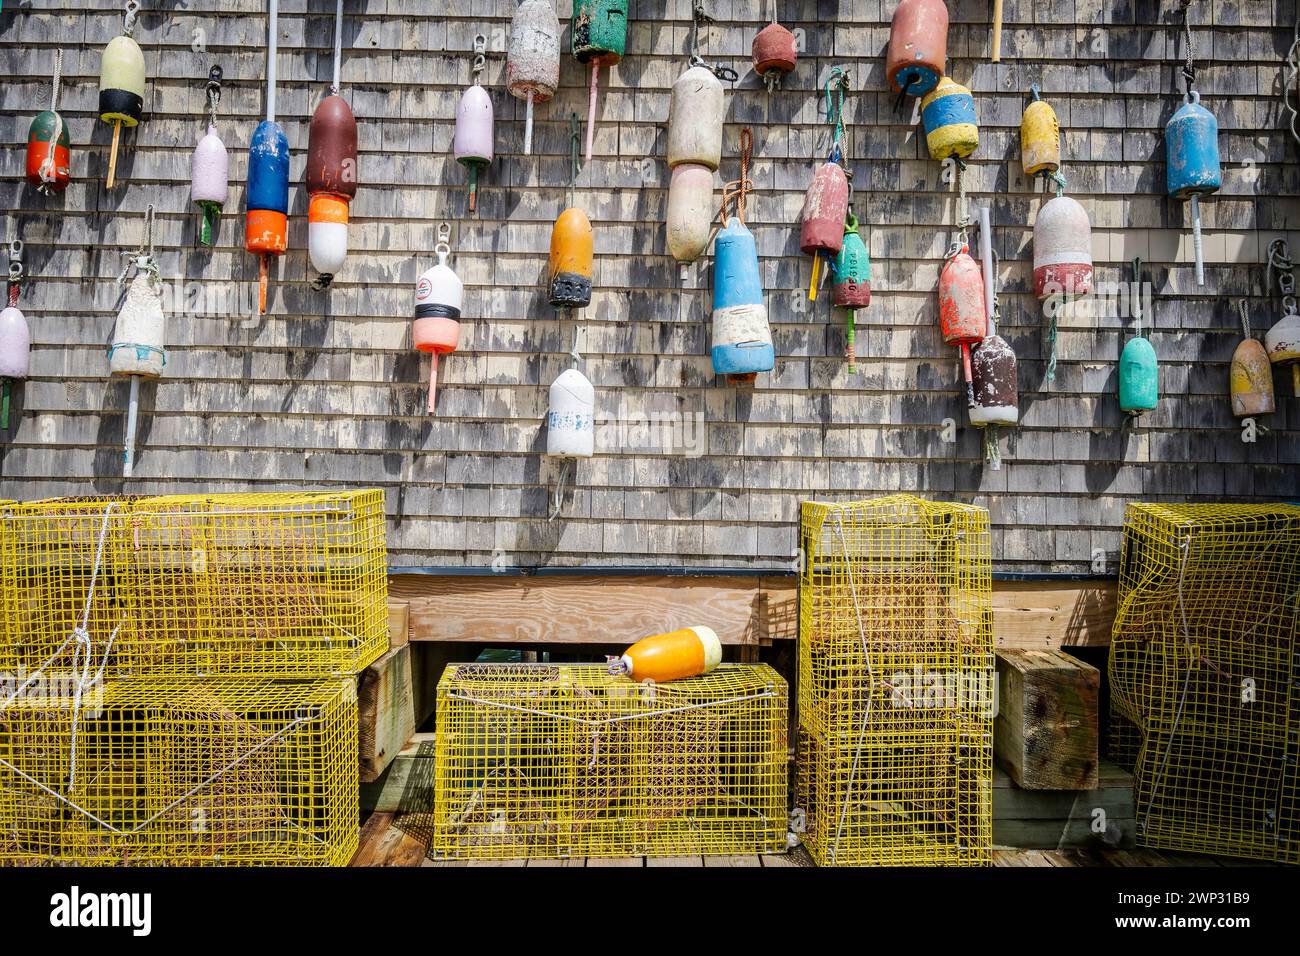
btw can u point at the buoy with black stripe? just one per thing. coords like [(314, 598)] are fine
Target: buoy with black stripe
[(473, 141), (439, 295), (49, 155), (599, 38), (533, 58), (951, 126), (15, 336), (676, 655), (121, 85), (851, 283), (570, 264), (138, 349), (332, 173), (266, 230), (918, 46), (210, 166)]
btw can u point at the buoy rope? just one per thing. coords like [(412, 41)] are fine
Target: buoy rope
[(338, 46), (1244, 309), (575, 166), (58, 75), (1291, 80), (771, 9), (1136, 296), (734, 192), (48, 169), (700, 15), (214, 94), (838, 80), (143, 257), (1189, 67)]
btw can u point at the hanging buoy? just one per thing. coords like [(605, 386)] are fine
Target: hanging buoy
[(138, 348), (1250, 378), (690, 211), (1138, 377), (473, 140), (688, 652), (774, 52), (121, 85), (695, 117), (210, 166), (599, 39), (571, 260), (439, 295), (266, 229), (851, 285), (993, 376), (533, 59), (332, 173), (571, 416), (948, 115), (742, 339), (1192, 150), (15, 336), (1062, 260), (918, 46), (825, 209), (49, 156), (963, 315), (1040, 137)]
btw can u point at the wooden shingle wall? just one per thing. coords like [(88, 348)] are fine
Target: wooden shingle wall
[(326, 390)]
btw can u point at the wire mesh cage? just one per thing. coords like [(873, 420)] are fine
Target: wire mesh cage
[(553, 761), (137, 771), (1203, 676), (250, 584), (896, 683)]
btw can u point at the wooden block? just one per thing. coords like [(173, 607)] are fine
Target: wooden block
[(385, 713), (1046, 614), (1045, 733), (407, 784), (1102, 818), (399, 623)]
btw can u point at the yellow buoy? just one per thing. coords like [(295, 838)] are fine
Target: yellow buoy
[(1040, 137)]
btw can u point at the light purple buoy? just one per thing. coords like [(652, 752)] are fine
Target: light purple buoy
[(473, 141), (15, 355), (209, 180)]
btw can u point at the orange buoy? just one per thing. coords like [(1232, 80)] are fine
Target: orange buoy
[(688, 652)]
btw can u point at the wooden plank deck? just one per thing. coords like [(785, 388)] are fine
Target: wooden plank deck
[(385, 842)]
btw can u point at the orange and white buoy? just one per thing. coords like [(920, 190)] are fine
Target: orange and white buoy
[(687, 652)]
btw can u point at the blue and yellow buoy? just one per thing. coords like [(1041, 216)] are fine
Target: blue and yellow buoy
[(948, 115)]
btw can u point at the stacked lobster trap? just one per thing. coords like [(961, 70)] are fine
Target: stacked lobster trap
[(1204, 671), (178, 676), (896, 681), (567, 760)]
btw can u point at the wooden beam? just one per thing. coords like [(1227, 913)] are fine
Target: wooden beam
[(399, 624), (1046, 614), (1065, 819), (1045, 733), (385, 711)]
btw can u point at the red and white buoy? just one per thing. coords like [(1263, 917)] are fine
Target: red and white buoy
[(439, 295)]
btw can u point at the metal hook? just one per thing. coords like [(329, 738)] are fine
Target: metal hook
[(443, 247), (132, 11), (480, 55), (215, 75), (15, 260)]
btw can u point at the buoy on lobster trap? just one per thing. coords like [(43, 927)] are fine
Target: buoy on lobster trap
[(1250, 377), (774, 52), (963, 314), (138, 348), (1040, 137), (210, 166), (1138, 378), (121, 85), (15, 336), (918, 46), (473, 140), (951, 126), (49, 156), (993, 375), (1062, 259), (439, 295), (851, 283), (599, 38), (687, 652), (533, 58), (266, 229), (332, 173)]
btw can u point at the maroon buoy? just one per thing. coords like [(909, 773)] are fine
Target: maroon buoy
[(775, 52)]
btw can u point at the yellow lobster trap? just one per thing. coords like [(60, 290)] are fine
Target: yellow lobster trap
[(1205, 678), (241, 584), (896, 683), (233, 772), (553, 761)]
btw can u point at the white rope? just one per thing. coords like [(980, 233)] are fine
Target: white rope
[(338, 45), (871, 680), (557, 500), (605, 721)]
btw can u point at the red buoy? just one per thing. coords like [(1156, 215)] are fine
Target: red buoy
[(963, 313)]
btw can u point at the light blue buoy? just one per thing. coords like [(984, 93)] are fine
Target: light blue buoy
[(742, 340), (1192, 163)]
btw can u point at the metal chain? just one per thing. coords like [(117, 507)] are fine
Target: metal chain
[(1291, 80), (1280, 263), (15, 270), (700, 15), (215, 76), (480, 56)]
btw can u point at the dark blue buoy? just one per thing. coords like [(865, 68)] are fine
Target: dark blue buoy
[(742, 339)]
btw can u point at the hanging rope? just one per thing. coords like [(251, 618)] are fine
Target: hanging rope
[(1291, 80), (142, 259), (1244, 310), (700, 15), (338, 46), (1135, 296), (48, 171), (734, 192), (837, 84), (1189, 66), (215, 76), (575, 165)]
